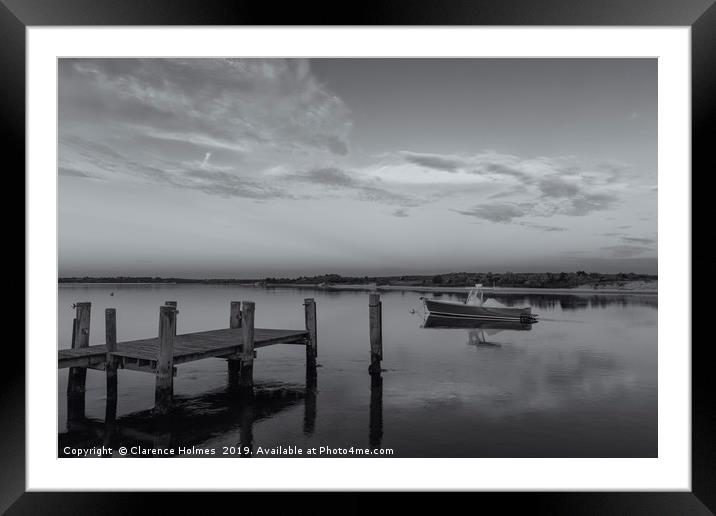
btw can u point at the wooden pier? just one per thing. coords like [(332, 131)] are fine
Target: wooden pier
[(160, 355)]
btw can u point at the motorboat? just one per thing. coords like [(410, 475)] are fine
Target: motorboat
[(476, 307)]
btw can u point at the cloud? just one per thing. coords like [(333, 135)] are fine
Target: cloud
[(509, 193), (70, 172), (496, 212), (561, 185), (542, 227), (363, 188), (558, 187), (585, 203), (166, 120), (626, 251), (635, 240), (435, 161), (225, 184)]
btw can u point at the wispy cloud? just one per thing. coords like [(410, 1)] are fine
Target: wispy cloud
[(636, 240), (363, 188), (626, 250), (211, 124), (435, 161), (495, 212)]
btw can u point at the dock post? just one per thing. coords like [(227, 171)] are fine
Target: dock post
[(164, 387), (234, 364), (167, 303), (375, 308), (246, 376), (77, 377), (110, 367), (312, 344)]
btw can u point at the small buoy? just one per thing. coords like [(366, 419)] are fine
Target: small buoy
[(111, 293), (412, 310)]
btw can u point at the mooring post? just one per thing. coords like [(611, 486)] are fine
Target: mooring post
[(234, 364), (78, 375), (375, 308), (164, 388), (246, 376), (312, 329), (110, 366)]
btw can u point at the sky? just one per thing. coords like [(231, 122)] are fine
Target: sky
[(252, 168)]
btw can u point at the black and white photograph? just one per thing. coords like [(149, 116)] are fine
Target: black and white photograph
[(357, 257), (399, 247)]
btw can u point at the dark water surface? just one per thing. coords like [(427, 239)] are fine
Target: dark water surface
[(580, 383)]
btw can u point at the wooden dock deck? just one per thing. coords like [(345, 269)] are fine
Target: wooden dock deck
[(160, 355), (142, 354)]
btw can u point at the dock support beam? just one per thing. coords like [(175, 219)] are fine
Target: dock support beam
[(110, 330), (375, 308), (164, 388), (312, 344), (78, 375), (246, 376)]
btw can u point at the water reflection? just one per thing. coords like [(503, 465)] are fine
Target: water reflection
[(479, 329), (566, 302), (375, 424), (193, 420)]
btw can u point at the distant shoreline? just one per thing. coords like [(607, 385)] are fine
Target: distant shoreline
[(403, 288), (496, 290)]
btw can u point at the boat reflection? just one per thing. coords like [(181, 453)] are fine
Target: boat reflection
[(479, 329)]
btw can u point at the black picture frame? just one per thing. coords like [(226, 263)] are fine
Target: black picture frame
[(700, 15)]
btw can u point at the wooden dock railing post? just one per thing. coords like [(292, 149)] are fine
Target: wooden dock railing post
[(375, 307), (164, 387), (78, 375), (246, 377), (312, 329), (110, 367), (234, 364)]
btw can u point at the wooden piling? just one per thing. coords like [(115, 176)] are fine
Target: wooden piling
[(81, 331), (166, 303), (164, 387), (110, 331), (375, 308), (312, 329), (246, 376), (234, 364)]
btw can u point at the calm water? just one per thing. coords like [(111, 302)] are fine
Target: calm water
[(580, 383)]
